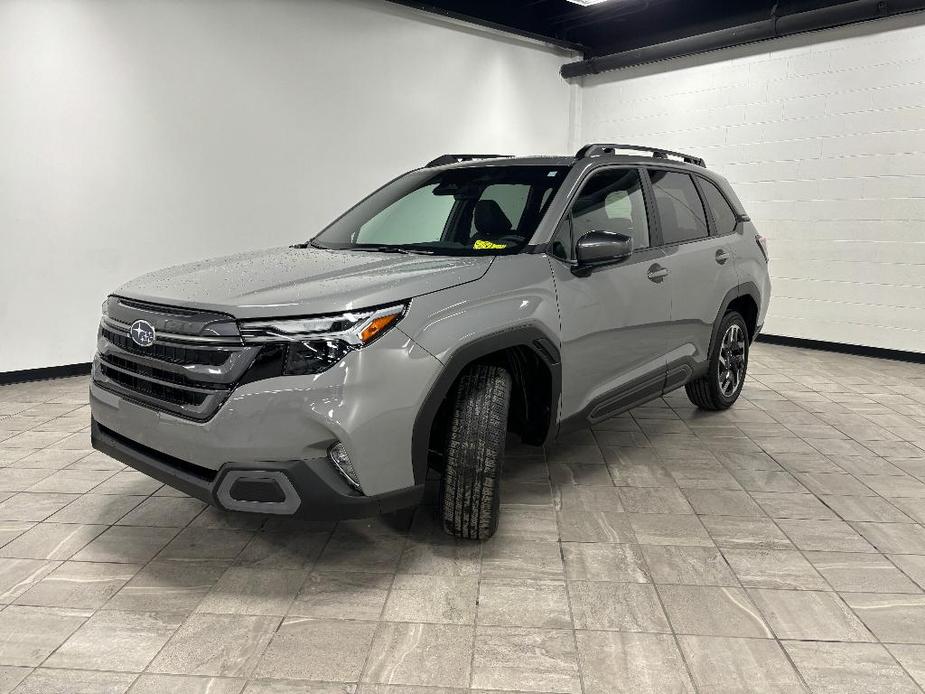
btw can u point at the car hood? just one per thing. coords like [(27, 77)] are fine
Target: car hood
[(302, 281)]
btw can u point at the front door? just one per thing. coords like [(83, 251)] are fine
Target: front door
[(613, 347)]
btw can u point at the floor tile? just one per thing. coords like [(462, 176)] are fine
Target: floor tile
[(28, 635), (19, 575), (778, 568), (809, 615), (912, 658), (26, 506), (49, 681), (432, 599), (702, 566), (244, 590), (893, 618), (724, 665), (716, 502), (894, 538), (51, 541), (620, 663), (181, 684), (117, 641), (654, 500), (865, 508), (79, 585), (587, 561), (751, 533), (168, 586), (218, 645), (100, 509), (712, 611), (126, 545), (823, 535), (166, 512), (342, 595), (508, 559), (658, 529), (616, 607), (199, 543), (861, 573), (426, 655), (848, 668), (536, 660), (316, 649), (792, 506), (523, 603)]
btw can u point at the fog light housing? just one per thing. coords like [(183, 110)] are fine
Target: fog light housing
[(337, 454)]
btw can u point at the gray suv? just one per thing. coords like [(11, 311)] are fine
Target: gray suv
[(473, 298)]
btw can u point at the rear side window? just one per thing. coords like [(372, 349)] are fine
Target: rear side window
[(680, 208), (723, 216)]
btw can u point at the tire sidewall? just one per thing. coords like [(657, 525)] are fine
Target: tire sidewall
[(730, 319)]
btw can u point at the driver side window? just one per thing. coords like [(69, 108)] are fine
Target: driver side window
[(611, 200)]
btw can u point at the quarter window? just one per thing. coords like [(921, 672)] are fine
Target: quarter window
[(723, 216), (680, 209)]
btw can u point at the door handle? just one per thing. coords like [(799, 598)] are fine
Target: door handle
[(722, 255), (657, 273)]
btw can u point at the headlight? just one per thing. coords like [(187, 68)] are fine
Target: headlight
[(315, 344)]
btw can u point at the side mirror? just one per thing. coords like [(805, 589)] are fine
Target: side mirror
[(598, 248)]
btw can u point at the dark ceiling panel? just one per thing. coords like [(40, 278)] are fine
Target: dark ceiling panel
[(616, 25)]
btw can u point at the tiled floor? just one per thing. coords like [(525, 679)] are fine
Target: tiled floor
[(776, 547)]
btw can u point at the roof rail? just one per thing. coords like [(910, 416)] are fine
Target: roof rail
[(445, 159), (598, 149)]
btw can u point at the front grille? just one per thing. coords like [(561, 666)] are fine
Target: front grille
[(143, 371), (173, 354), (159, 391), (190, 370)]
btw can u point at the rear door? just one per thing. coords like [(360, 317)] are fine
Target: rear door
[(613, 348), (701, 269)]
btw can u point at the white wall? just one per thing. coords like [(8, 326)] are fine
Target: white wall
[(823, 137), (137, 134)]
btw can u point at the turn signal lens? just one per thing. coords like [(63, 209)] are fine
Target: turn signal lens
[(376, 326)]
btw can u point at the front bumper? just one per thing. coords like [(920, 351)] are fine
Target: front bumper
[(319, 493)]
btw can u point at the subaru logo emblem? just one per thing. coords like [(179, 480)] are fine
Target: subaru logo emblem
[(142, 333)]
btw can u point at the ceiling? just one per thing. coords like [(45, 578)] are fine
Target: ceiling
[(614, 25)]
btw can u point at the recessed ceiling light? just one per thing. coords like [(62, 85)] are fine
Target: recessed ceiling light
[(587, 3)]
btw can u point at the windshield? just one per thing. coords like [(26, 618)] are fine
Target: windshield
[(469, 211)]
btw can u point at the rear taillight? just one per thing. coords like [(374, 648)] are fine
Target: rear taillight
[(763, 245)]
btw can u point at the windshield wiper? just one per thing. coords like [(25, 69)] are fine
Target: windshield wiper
[(404, 250)]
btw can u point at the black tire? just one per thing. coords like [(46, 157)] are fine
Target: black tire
[(470, 491), (714, 390)]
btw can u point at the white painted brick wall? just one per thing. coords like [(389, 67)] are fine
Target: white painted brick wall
[(823, 137)]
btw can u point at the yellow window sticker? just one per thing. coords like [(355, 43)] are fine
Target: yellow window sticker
[(481, 245)]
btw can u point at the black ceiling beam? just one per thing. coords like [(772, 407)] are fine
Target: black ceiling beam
[(497, 26), (773, 27)]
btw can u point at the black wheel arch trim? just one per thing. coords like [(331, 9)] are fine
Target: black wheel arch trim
[(743, 289), (531, 337)]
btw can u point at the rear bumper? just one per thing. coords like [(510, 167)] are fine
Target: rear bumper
[(312, 488)]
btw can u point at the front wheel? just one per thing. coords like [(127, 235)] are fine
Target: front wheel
[(470, 492), (720, 387)]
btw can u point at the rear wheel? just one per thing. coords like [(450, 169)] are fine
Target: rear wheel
[(720, 387), (470, 494)]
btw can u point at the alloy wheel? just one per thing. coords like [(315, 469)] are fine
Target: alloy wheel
[(732, 360)]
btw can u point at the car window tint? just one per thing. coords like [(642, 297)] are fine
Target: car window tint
[(723, 216), (511, 197), (411, 219), (680, 208), (612, 200)]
